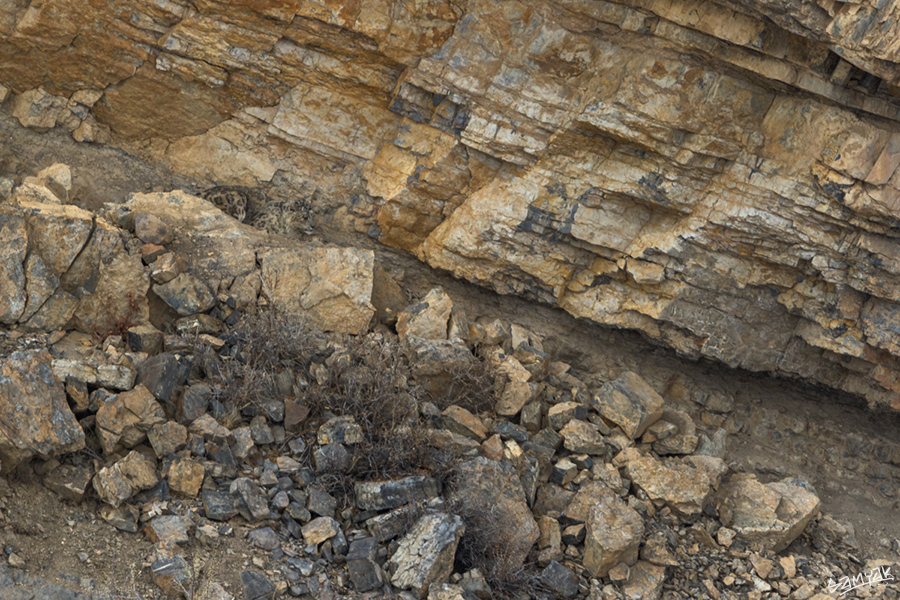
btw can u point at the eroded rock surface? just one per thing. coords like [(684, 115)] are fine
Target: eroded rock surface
[(725, 183)]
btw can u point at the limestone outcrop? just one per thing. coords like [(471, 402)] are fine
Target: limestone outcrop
[(721, 176)]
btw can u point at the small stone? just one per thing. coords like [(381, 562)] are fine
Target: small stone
[(256, 586), (125, 478), (210, 429), (295, 413), (169, 530), (250, 500), (124, 517), (560, 579), (166, 267), (186, 294), (583, 437), (560, 414), (340, 430), (161, 374), (573, 535), (167, 438), (532, 417), (186, 477), (492, 448), (193, 403), (771, 515), (630, 403), (391, 494), (127, 418), (361, 566), (613, 534), (218, 506), (69, 481), (645, 581), (264, 538), (150, 229), (331, 458), (145, 338), (320, 529), (564, 471), (241, 442), (260, 431), (725, 536), (320, 502)]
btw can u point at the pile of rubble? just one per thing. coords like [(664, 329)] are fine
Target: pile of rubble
[(565, 485)]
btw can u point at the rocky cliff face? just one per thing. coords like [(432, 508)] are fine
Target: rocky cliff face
[(720, 176)]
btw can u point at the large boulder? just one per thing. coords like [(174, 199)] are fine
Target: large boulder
[(425, 555), (35, 418), (630, 403), (684, 485), (492, 488), (769, 515), (613, 534)]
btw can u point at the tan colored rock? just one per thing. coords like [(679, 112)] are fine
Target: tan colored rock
[(494, 487), (125, 478), (768, 515), (645, 581), (38, 109), (127, 419), (36, 418), (13, 248), (614, 532), (631, 189), (186, 294), (630, 403), (425, 555), (186, 477), (684, 485), (428, 319), (331, 286)]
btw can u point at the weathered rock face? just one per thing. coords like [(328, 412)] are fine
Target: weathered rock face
[(721, 177)]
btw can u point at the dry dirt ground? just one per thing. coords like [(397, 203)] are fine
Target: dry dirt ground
[(778, 428)]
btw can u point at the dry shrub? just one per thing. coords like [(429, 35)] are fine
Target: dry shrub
[(369, 380), (264, 342), (472, 386), (366, 377), (486, 545)]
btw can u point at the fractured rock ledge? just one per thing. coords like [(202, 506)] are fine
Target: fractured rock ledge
[(726, 184)]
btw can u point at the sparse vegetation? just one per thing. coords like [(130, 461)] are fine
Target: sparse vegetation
[(486, 545), (366, 377)]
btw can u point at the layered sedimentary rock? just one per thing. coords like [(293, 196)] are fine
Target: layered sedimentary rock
[(721, 176)]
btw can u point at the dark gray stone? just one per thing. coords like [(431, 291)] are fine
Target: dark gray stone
[(509, 430), (194, 402), (364, 571), (161, 374), (264, 538), (331, 458), (560, 579), (256, 586), (250, 500), (218, 506), (320, 502), (385, 495)]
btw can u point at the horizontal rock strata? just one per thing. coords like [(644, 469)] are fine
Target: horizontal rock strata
[(721, 176)]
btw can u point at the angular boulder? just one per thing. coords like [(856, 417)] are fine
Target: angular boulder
[(35, 418), (630, 403), (613, 534), (425, 555), (487, 486), (769, 515), (684, 485)]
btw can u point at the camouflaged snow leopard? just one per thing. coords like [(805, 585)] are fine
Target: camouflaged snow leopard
[(253, 207)]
